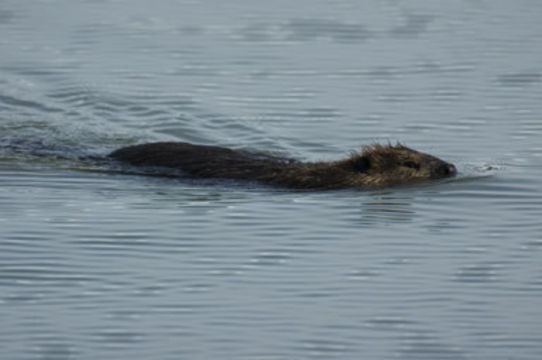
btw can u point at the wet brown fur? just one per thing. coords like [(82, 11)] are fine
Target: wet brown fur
[(376, 166)]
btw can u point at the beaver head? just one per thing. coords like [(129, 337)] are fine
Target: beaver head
[(384, 165)]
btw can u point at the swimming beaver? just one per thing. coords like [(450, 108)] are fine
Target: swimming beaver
[(376, 166)]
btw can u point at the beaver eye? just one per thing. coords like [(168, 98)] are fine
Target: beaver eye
[(412, 165), (363, 164)]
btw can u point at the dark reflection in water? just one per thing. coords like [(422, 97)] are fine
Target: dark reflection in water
[(388, 208), (520, 79), (6, 16)]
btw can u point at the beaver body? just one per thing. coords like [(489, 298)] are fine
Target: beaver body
[(376, 166)]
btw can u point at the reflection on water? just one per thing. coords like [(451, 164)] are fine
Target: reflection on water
[(101, 262)]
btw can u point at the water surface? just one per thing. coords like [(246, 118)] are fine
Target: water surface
[(95, 263)]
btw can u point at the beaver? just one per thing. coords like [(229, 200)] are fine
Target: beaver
[(376, 166)]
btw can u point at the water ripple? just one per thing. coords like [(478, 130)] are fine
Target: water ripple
[(100, 262), (519, 79)]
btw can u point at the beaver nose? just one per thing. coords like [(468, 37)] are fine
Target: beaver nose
[(447, 170)]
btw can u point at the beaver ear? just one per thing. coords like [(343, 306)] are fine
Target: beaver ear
[(362, 164)]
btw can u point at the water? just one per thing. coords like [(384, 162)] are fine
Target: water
[(99, 264)]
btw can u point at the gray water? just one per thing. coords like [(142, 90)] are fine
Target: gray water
[(100, 264)]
